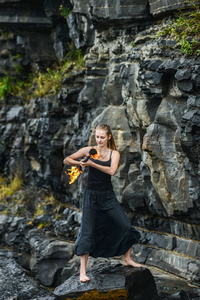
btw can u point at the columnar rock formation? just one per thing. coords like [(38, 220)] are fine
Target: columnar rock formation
[(139, 84)]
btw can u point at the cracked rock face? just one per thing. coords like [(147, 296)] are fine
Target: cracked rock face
[(139, 84), (15, 283)]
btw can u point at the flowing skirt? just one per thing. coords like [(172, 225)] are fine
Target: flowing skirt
[(105, 229)]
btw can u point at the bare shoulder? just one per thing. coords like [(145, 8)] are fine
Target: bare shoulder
[(115, 153)]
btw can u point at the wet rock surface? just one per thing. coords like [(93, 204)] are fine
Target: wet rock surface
[(104, 279), (16, 283), (42, 254), (170, 286)]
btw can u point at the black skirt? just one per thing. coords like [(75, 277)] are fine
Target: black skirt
[(105, 229)]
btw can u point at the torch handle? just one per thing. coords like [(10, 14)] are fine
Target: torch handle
[(86, 159)]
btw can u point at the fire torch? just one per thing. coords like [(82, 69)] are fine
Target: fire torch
[(76, 171)]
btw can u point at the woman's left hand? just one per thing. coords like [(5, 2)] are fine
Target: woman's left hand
[(86, 164)]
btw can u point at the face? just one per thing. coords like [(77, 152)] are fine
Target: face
[(101, 137)]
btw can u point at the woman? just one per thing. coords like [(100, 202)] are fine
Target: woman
[(105, 229)]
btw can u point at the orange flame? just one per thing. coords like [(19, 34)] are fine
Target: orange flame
[(74, 173), (97, 155)]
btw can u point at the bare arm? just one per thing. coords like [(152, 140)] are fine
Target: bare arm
[(72, 160), (109, 170)]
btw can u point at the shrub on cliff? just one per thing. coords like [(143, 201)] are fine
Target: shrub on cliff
[(50, 82), (40, 83), (186, 30), (7, 190), (13, 86)]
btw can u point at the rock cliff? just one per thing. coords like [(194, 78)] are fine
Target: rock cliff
[(142, 85)]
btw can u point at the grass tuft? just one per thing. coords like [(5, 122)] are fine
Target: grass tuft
[(185, 29), (6, 190), (38, 83)]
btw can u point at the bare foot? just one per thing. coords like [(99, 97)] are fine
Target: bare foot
[(84, 278), (130, 262)]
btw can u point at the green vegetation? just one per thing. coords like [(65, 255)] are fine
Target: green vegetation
[(39, 211), (186, 30), (48, 82), (3, 34), (7, 190), (42, 207), (64, 11), (75, 55), (132, 44), (5, 86), (38, 83), (14, 86), (44, 225), (4, 145)]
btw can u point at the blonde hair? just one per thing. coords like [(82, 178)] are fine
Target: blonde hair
[(111, 142)]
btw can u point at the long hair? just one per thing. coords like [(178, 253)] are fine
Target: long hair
[(111, 142)]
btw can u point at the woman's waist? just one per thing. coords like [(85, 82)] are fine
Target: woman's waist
[(99, 186), (102, 200)]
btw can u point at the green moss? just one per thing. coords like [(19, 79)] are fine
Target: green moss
[(64, 11), (5, 86), (3, 34), (44, 225), (5, 212), (132, 44), (185, 29)]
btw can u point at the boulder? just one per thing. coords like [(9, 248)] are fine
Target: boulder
[(48, 257), (111, 281), (15, 283)]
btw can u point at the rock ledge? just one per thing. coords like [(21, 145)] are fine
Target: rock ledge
[(110, 282)]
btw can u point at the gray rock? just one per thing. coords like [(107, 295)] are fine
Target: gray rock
[(185, 85), (182, 264), (190, 132), (67, 226), (99, 13), (133, 196), (137, 83), (15, 283), (111, 279), (44, 298), (160, 7), (48, 257), (81, 30), (183, 74), (14, 114)]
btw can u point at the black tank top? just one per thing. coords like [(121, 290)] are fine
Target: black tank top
[(98, 180)]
